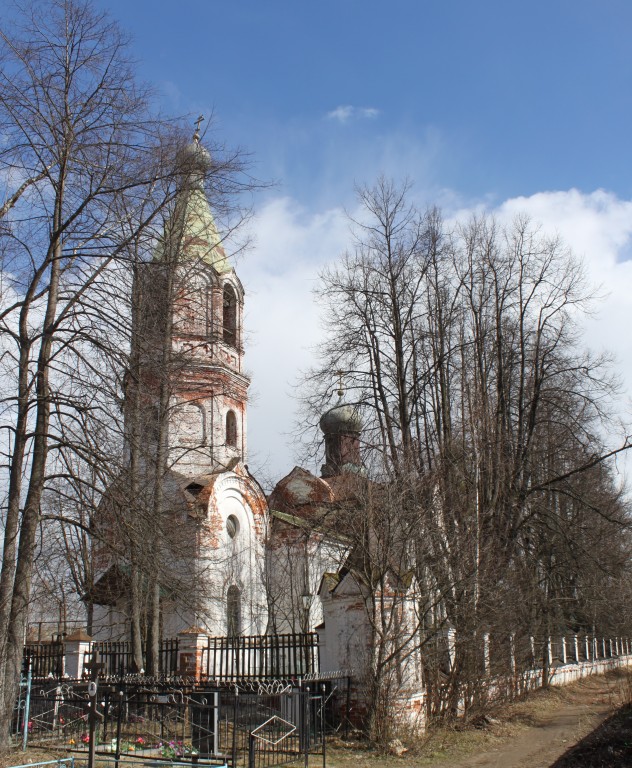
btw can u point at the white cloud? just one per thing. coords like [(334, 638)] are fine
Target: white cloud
[(342, 114), (345, 113), (598, 229), (282, 325), (293, 243)]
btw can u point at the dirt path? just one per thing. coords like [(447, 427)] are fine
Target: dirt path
[(529, 734), (539, 746), (552, 724)]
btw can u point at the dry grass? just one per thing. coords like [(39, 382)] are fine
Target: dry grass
[(32, 755), (444, 745)]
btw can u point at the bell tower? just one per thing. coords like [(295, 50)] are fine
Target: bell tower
[(189, 330)]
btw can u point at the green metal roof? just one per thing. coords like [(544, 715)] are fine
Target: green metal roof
[(191, 230)]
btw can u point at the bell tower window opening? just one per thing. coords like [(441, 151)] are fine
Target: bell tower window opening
[(208, 306), (231, 429), (233, 611), (230, 316)]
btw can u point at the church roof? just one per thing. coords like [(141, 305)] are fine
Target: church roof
[(191, 230), (315, 525), (303, 494), (299, 491), (112, 585), (298, 522), (199, 489)]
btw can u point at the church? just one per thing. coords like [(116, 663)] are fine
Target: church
[(245, 564)]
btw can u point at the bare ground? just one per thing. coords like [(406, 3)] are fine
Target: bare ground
[(584, 725)]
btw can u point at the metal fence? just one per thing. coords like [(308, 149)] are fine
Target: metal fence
[(260, 657), (223, 660), (118, 660), (251, 724), (46, 659)]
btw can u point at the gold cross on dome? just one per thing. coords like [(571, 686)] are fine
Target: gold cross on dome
[(340, 374), (196, 135)]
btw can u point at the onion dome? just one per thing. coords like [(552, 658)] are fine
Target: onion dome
[(341, 419), (192, 226), (195, 156), (194, 160)]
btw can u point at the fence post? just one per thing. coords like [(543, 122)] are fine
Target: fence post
[(76, 646), (107, 714), (576, 641), (251, 752), (512, 653), (27, 706), (94, 667), (119, 719), (587, 648), (235, 713), (306, 724), (323, 690), (532, 644), (563, 650), (192, 643)]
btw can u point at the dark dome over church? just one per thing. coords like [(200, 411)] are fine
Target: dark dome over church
[(342, 418)]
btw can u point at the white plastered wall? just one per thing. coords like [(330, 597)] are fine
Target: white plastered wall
[(236, 561)]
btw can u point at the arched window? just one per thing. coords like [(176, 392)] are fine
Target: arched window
[(233, 611), (231, 429), (232, 525), (189, 424), (209, 311), (230, 316)]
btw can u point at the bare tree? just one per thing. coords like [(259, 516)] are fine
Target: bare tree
[(461, 348), (78, 140)]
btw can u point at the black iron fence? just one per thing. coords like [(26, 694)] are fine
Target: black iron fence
[(118, 660), (45, 659), (248, 725), (260, 657), (223, 659)]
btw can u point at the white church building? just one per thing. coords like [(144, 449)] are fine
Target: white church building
[(246, 565)]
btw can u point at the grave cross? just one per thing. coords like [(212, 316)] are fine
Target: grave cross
[(94, 666)]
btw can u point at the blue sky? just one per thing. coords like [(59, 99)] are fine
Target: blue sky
[(501, 104), (508, 97)]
